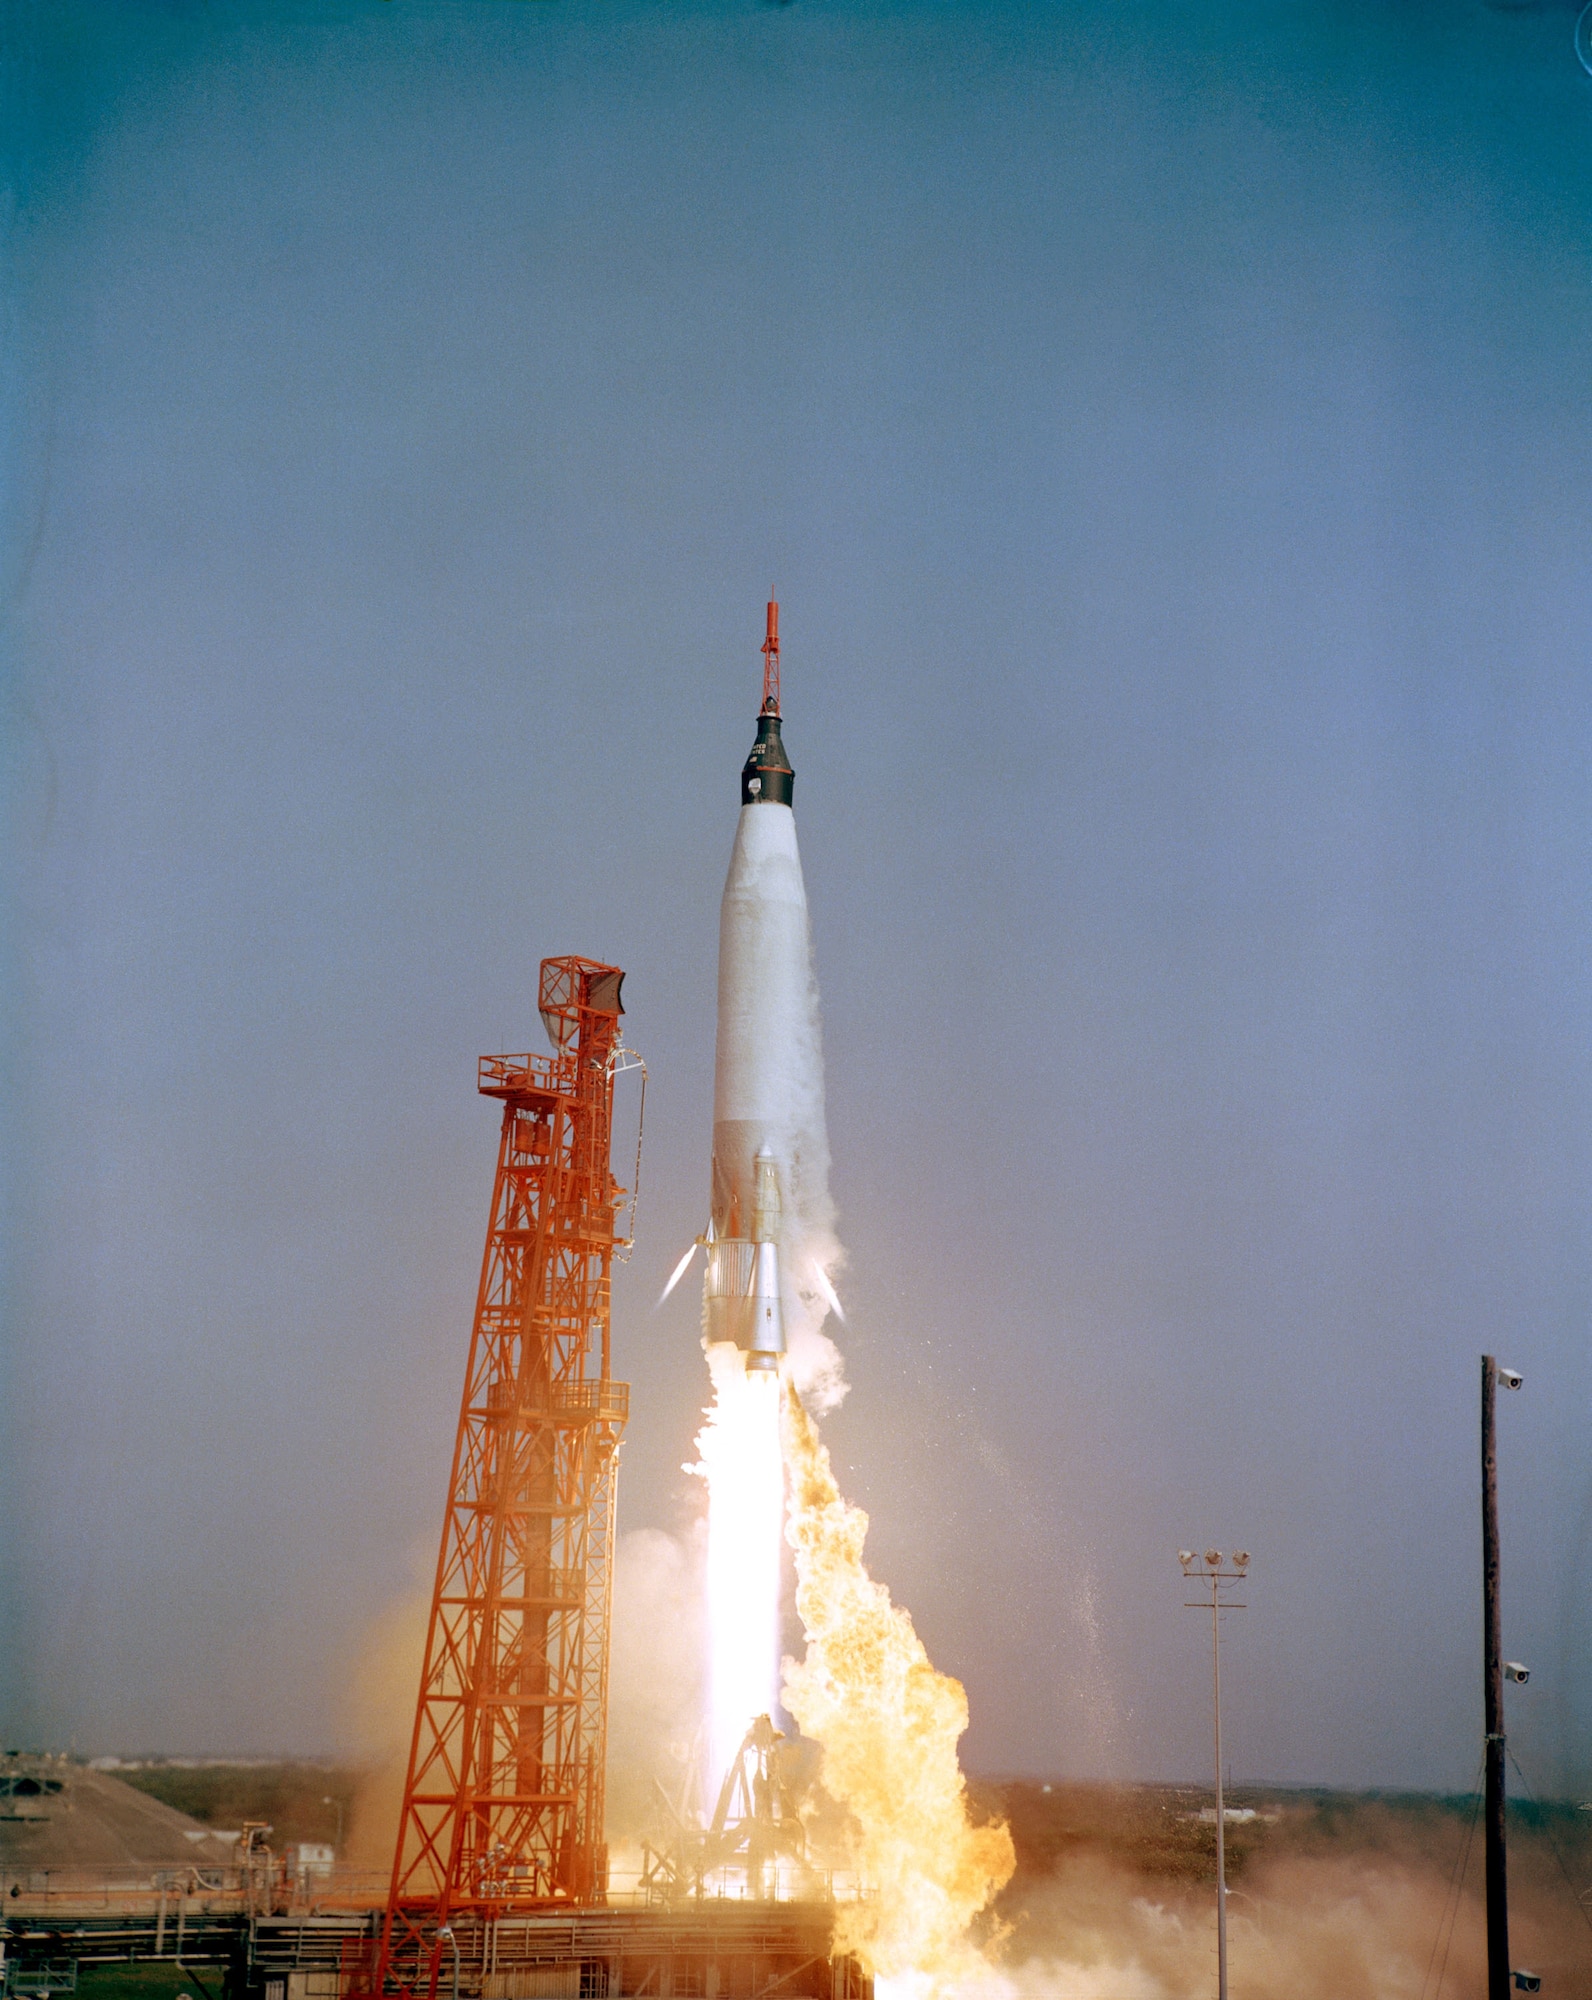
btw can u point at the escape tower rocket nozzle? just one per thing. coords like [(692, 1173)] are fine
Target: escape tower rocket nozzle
[(770, 650)]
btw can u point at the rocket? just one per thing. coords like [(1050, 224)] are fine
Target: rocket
[(767, 1059), (769, 1238)]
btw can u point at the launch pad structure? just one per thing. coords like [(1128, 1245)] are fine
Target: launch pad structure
[(499, 1888), (503, 1800), (715, 1950)]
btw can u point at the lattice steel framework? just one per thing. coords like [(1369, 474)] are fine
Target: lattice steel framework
[(503, 1804)]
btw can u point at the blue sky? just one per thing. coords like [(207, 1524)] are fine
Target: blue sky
[(1164, 427)]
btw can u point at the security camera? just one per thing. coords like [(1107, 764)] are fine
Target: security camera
[(1527, 1982), (1514, 1671), (1509, 1378)]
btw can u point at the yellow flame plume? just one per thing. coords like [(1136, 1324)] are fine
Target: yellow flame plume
[(887, 1723), (739, 1457)]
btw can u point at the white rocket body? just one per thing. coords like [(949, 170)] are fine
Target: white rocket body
[(768, 1088)]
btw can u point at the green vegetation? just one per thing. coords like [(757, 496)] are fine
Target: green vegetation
[(147, 1982), (290, 1798), (1157, 1830)]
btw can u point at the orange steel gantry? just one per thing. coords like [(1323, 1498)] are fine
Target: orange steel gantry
[(503, 1803)]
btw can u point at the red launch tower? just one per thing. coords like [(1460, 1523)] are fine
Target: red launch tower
[(503, 1803)]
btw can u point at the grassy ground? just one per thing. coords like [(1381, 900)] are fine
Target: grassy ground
[(1153, 1829), (1156, 1831), (291, 1798), (147, 1982)]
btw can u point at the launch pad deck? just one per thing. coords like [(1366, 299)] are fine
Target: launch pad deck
[(713, 1949)]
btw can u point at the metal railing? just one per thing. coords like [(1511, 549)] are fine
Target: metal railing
[(590, 1400), (497, 1074), (43, 1977)]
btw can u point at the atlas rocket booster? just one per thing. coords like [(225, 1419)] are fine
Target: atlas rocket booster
[(766, 1053)]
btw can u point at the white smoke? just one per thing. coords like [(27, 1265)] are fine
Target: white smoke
[(655, 1686)]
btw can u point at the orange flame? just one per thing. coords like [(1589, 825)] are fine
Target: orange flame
[(888, 1724)]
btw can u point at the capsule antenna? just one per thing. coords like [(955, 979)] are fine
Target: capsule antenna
[(771, 662)]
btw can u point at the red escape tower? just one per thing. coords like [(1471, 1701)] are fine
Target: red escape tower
[(503, 1802)]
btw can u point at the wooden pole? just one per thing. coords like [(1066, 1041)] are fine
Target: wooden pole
[(1497, 1880), (1221, 1802)]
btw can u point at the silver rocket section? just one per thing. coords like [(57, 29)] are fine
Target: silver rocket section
[(767, 1063), (743, 1281)]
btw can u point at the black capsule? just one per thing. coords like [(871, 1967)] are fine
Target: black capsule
[(766, 777)]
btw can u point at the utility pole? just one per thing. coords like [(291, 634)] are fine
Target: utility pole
[(1211, 1571), (1493, 1684)]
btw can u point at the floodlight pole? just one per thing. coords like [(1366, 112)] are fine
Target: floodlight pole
[(1210, 1571)]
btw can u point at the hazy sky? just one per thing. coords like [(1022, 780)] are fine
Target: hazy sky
[(1165, 424)]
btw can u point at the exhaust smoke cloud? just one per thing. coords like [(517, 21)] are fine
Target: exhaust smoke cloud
[(888, 1724), (655, 1678)]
